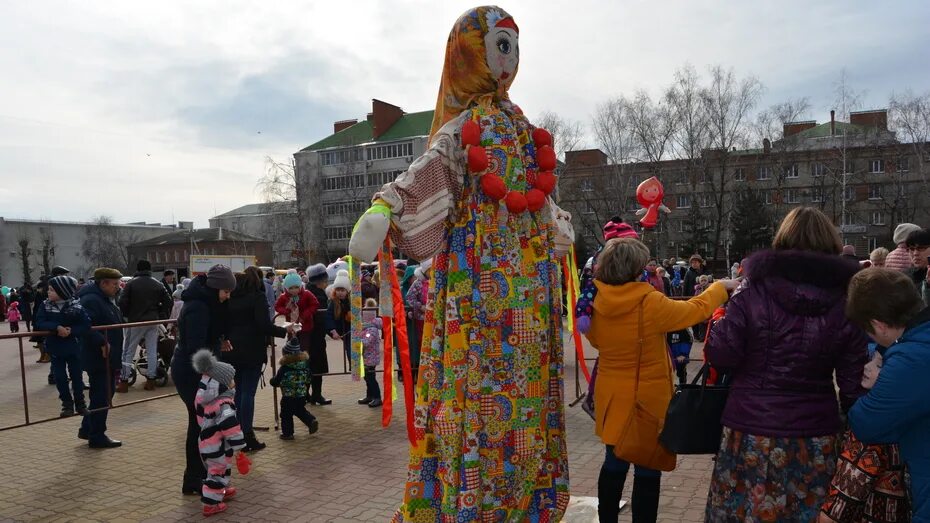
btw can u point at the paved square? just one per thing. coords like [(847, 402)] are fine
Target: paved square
[(351, 470)]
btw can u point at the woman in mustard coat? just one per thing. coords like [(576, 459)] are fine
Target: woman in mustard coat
[(615, 333)]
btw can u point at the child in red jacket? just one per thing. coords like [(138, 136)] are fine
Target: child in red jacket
[(299, 305)]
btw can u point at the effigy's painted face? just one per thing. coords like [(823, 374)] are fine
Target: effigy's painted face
[(503, 53)]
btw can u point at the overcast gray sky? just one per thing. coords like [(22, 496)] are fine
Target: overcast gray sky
[(165, 112)]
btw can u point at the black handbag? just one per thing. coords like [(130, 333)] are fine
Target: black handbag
[(692, 422)]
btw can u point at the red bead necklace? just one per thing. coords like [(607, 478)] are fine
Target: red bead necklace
[(493, 186)]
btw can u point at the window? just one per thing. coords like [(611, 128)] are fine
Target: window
[(384, 152), (350, 207), (177, 257), (794, 196), (817, 194), (903, 164), (791, 171), (681, 178), (873, 244), (377, 179), (705, 200), (764, 173), (684, 201), (818, 169), (681, 226), (849, 193), (632, 182), (702, 177), (338, 183), (878, 218), (587, 185), (632, 204), (767, 196), (850, 166), (876, 166), (875, 191), (739, 175), (706, 223), (341, 232), (849, 219), (341, 156)]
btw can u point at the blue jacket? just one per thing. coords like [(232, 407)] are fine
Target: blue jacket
[(51, 315), (897, 409), (102, 310)]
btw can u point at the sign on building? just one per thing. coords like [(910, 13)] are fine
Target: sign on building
[(238, 263)]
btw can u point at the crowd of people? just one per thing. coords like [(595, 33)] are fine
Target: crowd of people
[(791, 340)]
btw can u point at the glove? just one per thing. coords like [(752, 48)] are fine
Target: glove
[(583, 323), (370, 231), (243, 463)]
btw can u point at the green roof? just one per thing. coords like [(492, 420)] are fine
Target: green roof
[(823, 130), (409, 125)]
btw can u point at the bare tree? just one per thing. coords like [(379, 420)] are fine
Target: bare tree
[(107, 245), (25, 251), (910, 118), (47, 246), (279, 184), (728, 102), (567, 134), (652, 124), (770, 122)]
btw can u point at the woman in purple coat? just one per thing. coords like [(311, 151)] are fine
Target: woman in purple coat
[(783, 338)]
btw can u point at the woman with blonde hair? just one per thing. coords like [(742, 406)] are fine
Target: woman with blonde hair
[(784, 337), (628, 328)]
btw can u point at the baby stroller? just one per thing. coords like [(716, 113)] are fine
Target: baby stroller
[(166, 345)]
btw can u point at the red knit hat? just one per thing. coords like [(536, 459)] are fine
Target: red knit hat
[(615, 228)]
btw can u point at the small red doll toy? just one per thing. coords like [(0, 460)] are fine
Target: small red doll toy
[(650, 194)]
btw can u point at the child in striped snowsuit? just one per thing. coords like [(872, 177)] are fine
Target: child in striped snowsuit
[(220, 433)]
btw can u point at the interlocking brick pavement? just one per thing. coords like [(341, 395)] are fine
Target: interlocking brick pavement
[(352, 470)]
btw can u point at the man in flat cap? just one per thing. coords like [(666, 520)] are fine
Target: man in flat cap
[(102, 354)]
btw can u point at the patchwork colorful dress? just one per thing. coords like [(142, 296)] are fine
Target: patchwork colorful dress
[(489, 421)]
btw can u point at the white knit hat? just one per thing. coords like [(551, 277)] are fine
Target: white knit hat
[(342, 281), (902, 231)]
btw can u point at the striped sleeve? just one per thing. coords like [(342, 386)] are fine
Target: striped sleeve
[(422, 198)]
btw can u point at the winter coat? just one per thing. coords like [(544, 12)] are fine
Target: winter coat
[(101, 310), (416, 299), (342, 324), (679, 342), (249, 329), (919, 277), (321, 326), (691, 278), (899, 259), (614, 333), (784, 335), (12, 313), (145, 299), (170, 287), (371, 342), (270, 299), (65, 314), (307, 306), (203, 323), (26, 296), (896, 409), (293, 375), (220, 432)]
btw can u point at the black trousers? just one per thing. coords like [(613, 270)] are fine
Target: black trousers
[(185, 381), (290, 407), (95, 423)]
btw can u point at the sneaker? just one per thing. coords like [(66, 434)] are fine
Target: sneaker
[(123, 386), (314, 426), (288, 437), (66, 411), (209, 510), (375, 403), (364, 401), (229, 493)]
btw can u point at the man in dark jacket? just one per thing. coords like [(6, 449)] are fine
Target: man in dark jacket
[(696, 270), (168, 280), (101, 354), (143, 299), (319, 364)]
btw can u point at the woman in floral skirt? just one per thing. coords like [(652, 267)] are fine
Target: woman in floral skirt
[(783, 338)]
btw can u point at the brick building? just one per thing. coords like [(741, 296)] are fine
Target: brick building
[(173, 251), (337, 176), (729, 203), (275, 221)]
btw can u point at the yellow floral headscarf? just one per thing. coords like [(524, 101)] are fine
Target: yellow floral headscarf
[(466, 77)]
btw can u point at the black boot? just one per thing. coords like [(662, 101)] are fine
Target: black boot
[(252, 444), (645, 499), (609, 491), (316, 391)]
